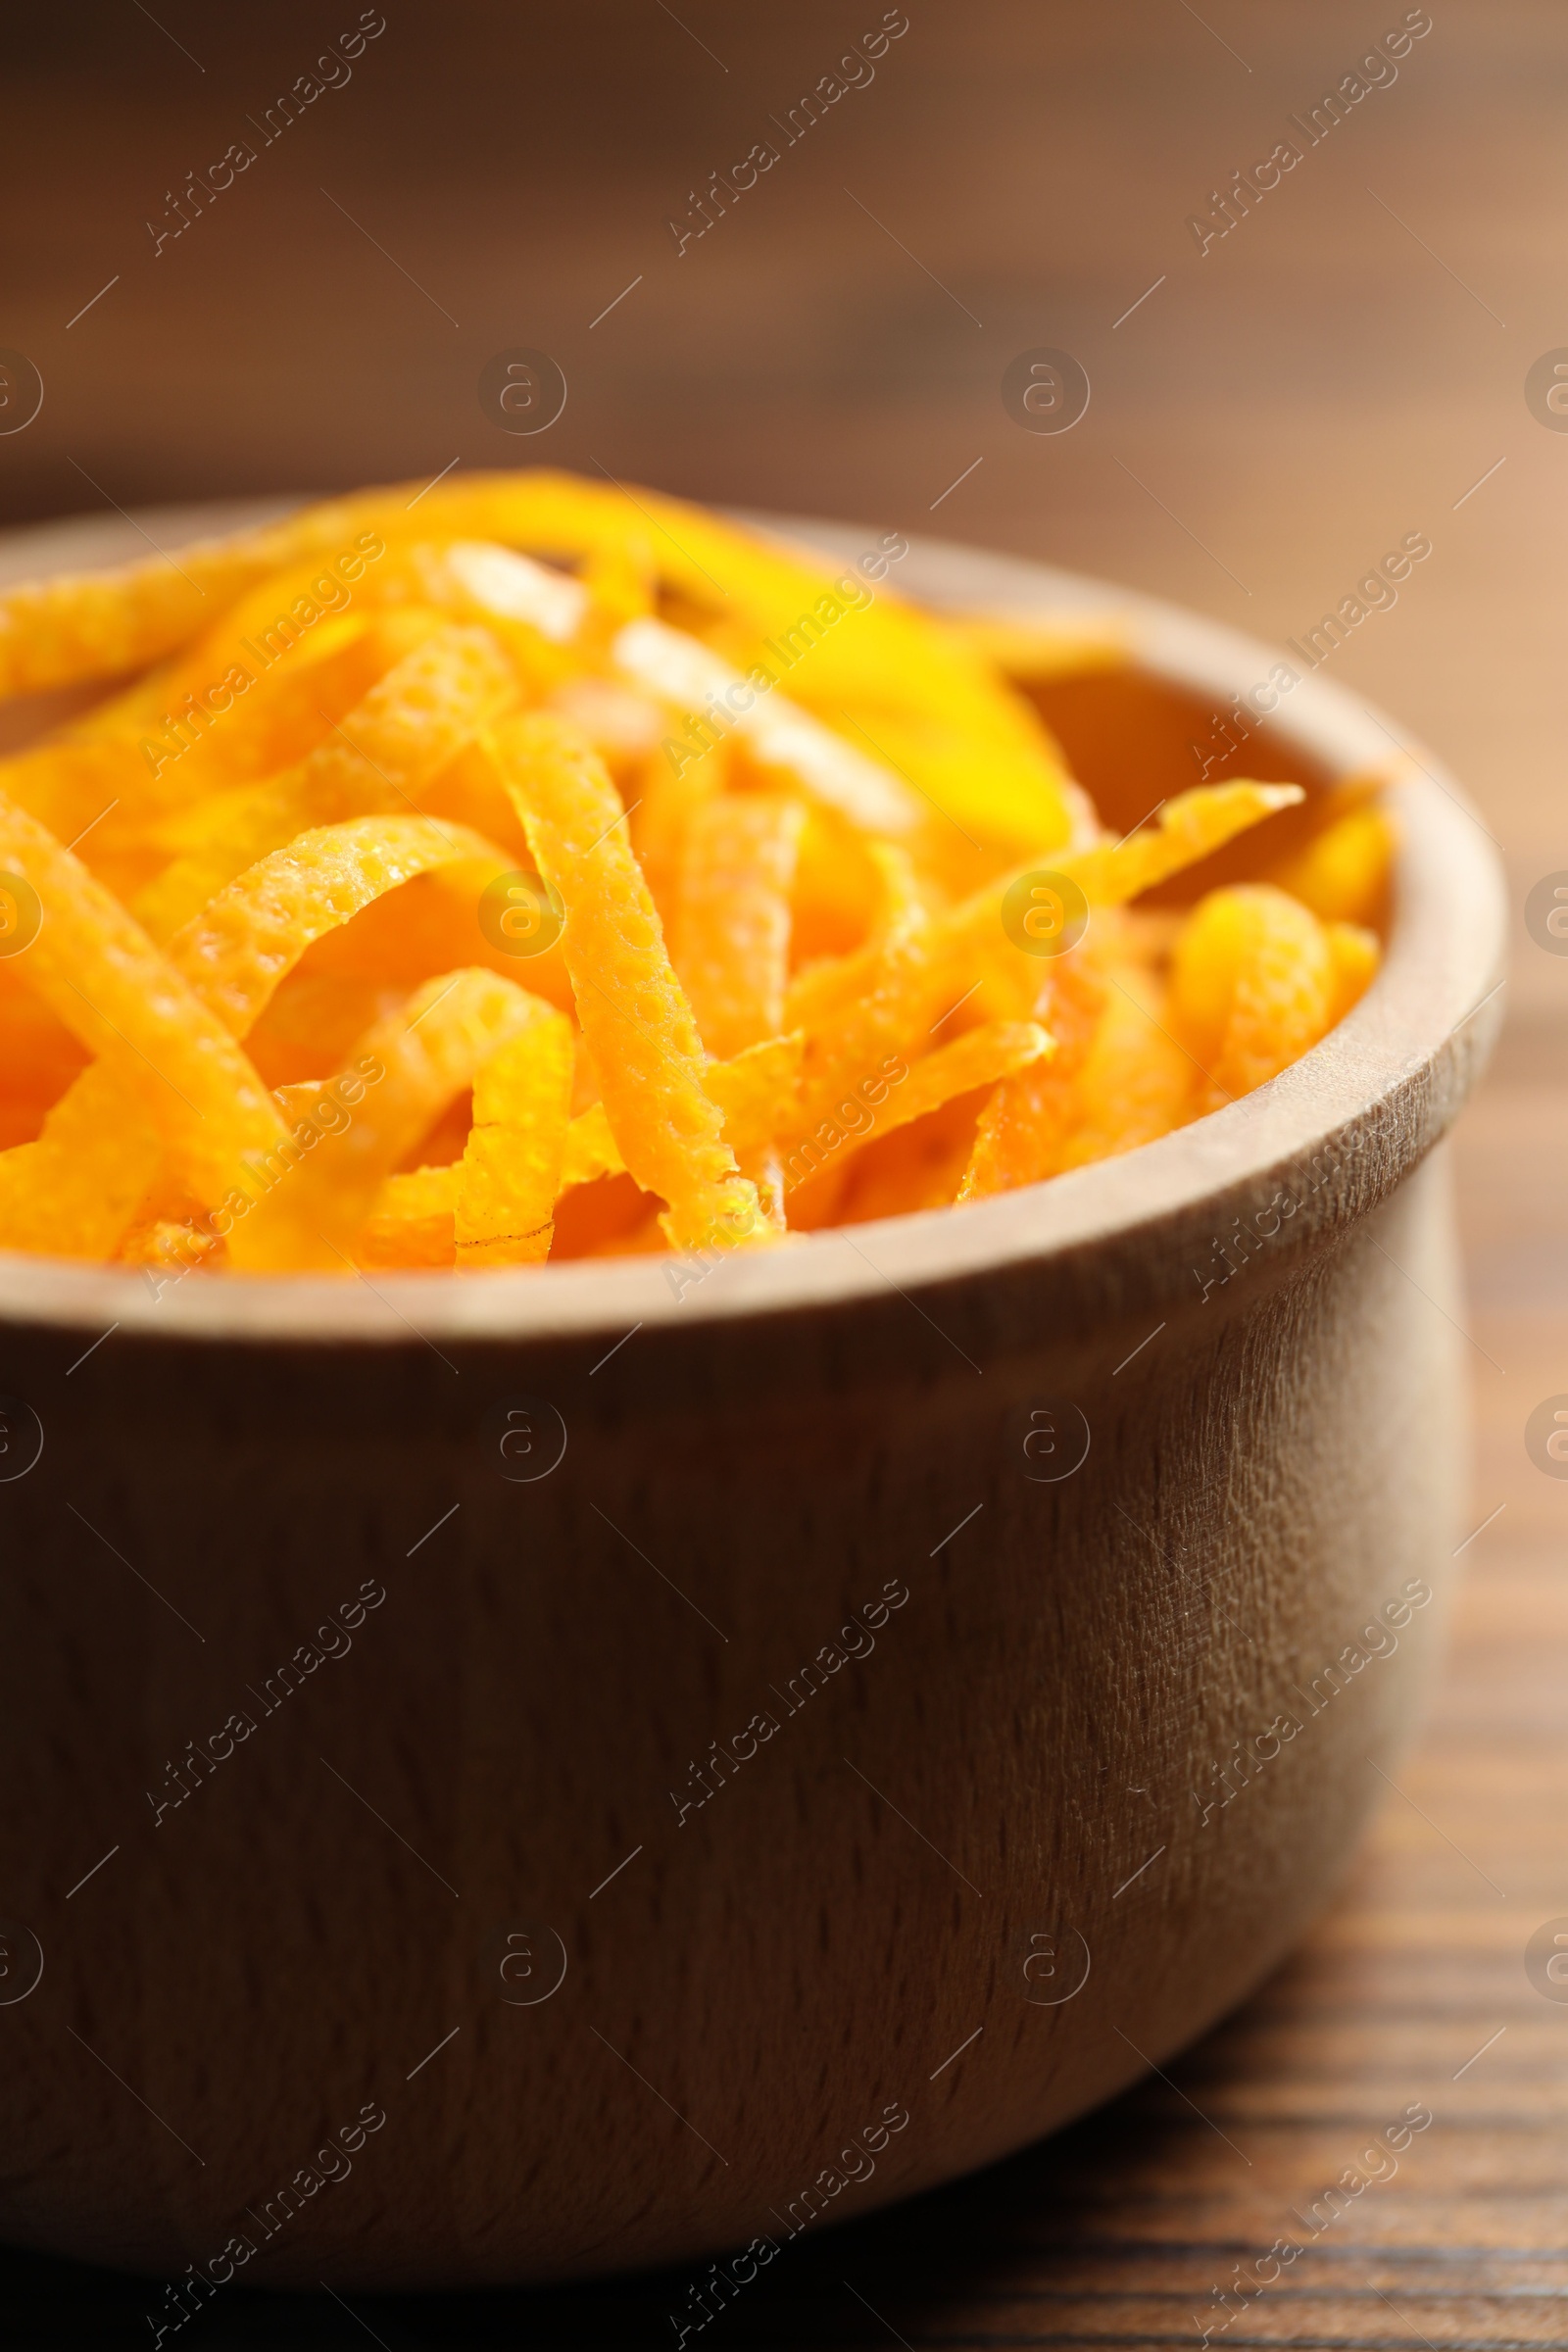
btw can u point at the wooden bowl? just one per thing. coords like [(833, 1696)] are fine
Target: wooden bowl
[(676, 1762)]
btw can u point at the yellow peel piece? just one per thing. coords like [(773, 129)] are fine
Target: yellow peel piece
[(1022, 1129), (634, 1013), (1034, 650), (93, 624), (74, 1188), (496, 580), (158, 1045), (1190, 827), (969, 942), (1254, 986), (510, 1174), (253, 933), (755, 1091), (411, 1224), (232, 958), (1343, 873), (706, 699), (591, 1149), (733, 931), (1136, 1083), (898, 1095), (410, 1069), (752, 1088), (409, 724), (1356, 953)]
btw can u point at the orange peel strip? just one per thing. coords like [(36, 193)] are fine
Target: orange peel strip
[(97, 623), (411, 1223), (1190, 827), (259, 722), (232, 958), (1034, 650), (590, 1149), (1022, 1128), (170, 1245), (410, 724), (75, 1187), (314, 1196), (1254, 986), (510, 1174), (1356, 953), (1136, 1084), (968, 940), (493, 581), (897, 1094), (414, 719), (157, 1044), (753, 1090), (1343, 873), (833, 984), (248, 938), (709, 698), (734, 922), (635, 1018)]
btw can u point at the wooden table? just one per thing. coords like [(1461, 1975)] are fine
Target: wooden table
[(1268, 417)]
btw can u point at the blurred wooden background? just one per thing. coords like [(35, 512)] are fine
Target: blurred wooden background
[(1346, 367)]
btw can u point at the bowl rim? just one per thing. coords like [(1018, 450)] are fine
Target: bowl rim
[(1401, 1062)]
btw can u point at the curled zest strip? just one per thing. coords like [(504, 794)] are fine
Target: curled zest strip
[(510, 1174), (159, 1048), (416, 1063), (634, 1014), (83, 1177)]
